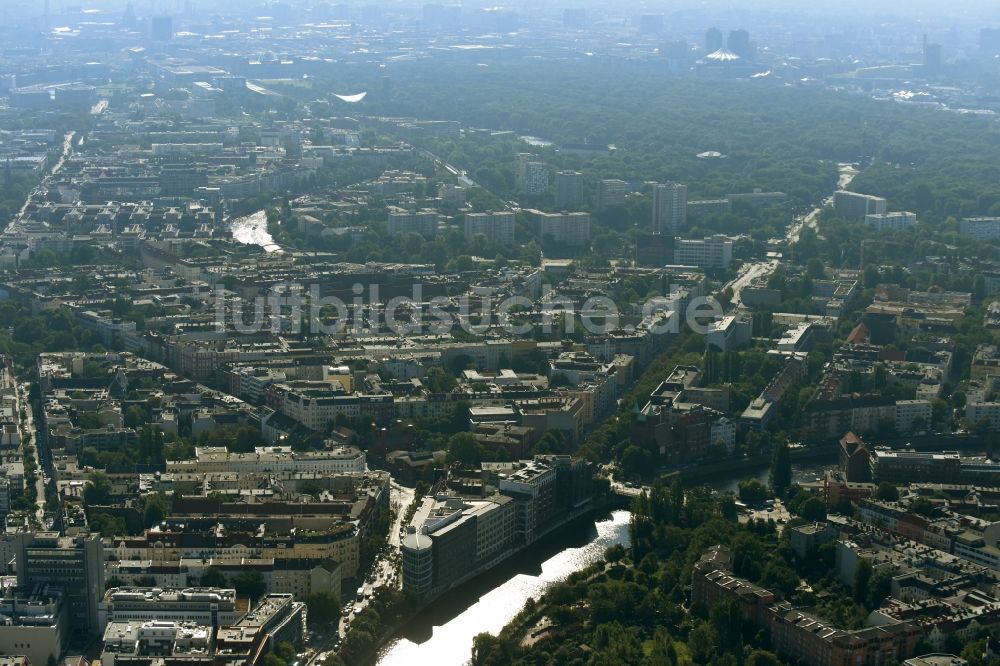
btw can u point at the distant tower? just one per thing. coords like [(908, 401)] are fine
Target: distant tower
[(932, 56), (128, 18), (651, 24), (669, 208), (575, 18), (739, 43), (162, 29), (713, 40)]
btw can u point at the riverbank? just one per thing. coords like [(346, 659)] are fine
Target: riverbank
[(488, 573), (442, 631), (747, 466)]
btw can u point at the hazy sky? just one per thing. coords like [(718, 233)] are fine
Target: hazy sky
[(972, 12)]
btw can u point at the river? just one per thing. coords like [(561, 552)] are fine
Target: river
[(252, 230), (442, 635), (807, 473)]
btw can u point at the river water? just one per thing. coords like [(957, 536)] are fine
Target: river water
[(442, 635), (808, 473), (252, 230)]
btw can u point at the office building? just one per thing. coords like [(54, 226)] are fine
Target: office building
[(651, 24), (669, 208), (739, 43), (533, 485), (451, 538), (654, 249), (709, 208), (989, 41), (277, 618), (276, 459), (75, 564), (611, 194), (711, 252), (852, 206), (932, 57), (568, 189), (729, 333), (33, 623), (949, 467), (713, 40), (497, 227), (211, 606)]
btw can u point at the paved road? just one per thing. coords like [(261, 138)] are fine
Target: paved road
[(67, 149), (463, 177), (750, 272), (847, 174), (385, 571), (26, 427), (620, 487)]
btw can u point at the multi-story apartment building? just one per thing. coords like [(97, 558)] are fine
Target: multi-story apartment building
[(891, 221), (831, 418), (985, 362), (708, 208), (563, 229), (316, 404), (854, 206), (980, 411), (669, 208), (532, 176), (568, 189), (796, 634), (913, 413), (423, 222), (980, 228), (497, 227), (611, 194)]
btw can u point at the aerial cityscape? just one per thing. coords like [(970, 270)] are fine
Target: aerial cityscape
[(394, 333)]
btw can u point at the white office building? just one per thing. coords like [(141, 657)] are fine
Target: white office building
[(712, 252)]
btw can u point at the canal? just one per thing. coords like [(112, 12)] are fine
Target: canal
[(801, 474), (252, 230), (443, 633)]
